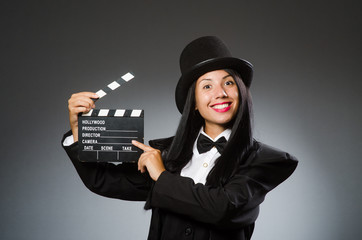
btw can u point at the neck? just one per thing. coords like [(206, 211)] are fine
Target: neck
[(213, 130)]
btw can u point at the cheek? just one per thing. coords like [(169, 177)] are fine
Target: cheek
[(237, 102), (199, 104), (200, 100), (236, 98), (196, 105), (233, 93), (196, 100)]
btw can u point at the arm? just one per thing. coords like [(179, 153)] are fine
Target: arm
[(121, 181), (233, 205)]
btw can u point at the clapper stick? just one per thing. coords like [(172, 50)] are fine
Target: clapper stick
[(114, 85)]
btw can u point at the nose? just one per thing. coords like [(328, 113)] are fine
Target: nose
[(220, 92)]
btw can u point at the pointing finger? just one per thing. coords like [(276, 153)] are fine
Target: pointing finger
[(142, 146)]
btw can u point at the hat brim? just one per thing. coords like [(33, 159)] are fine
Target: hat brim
[(243, 67)]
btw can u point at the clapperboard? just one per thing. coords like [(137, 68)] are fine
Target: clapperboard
[(105, 135)]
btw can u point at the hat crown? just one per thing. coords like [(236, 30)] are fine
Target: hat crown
[(201, 50)]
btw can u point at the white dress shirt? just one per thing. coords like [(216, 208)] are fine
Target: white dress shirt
[(201, 164)]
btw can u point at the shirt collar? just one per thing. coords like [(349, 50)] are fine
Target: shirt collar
[(226, 133)]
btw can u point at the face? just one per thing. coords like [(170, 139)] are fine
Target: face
[(217, 99)]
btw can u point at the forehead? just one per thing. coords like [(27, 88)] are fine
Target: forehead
[(214, 75)]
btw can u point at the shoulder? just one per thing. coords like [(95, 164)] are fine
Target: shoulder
[(268, 164), (265, 151), (263, 154)]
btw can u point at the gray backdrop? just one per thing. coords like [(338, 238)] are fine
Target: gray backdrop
[(306, 92)]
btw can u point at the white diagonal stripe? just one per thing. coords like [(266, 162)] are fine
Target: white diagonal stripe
[(101, 93), (114, 85), (119, 113), (103, 112), (127, 77), (136, 113), (88, 113)]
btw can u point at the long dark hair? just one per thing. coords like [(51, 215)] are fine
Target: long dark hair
[(236, 149)]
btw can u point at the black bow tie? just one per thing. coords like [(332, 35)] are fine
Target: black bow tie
[(204, 144)]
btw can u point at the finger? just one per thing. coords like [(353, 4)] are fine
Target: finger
[(76, 97), (86, 94), (81, 102), (83, 96), (141, 166), (77, 110), (142, 146)]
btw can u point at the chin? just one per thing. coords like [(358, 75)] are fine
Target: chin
[(225, 122)]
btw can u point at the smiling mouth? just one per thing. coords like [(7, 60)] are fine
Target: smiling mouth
[(221, 107)]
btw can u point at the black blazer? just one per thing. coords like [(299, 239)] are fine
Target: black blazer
[(182, 209)]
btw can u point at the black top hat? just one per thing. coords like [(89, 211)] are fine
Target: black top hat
[(203, 55)]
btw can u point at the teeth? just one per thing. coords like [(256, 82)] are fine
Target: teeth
[(221, 106)]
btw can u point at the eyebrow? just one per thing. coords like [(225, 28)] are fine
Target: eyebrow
[(229, 75), (208, 79)]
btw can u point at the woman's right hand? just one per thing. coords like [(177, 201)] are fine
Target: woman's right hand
[(79, 103)]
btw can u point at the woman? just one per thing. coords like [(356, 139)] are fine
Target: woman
[(208, 181)]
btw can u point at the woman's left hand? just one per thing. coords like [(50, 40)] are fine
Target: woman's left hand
[(150, 160)]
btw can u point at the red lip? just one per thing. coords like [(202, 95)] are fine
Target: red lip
[(222, 109), (221, 103)]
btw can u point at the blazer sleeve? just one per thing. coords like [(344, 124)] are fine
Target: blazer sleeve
[(122, 181), (235, 204)]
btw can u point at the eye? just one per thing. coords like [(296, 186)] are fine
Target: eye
[(208, 86), (230, 82)]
